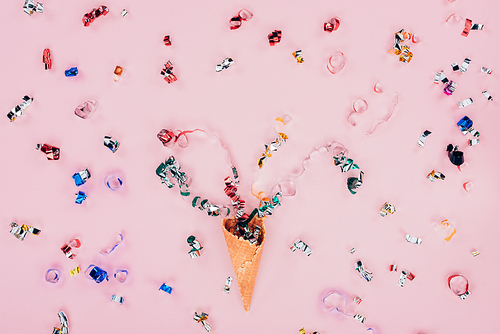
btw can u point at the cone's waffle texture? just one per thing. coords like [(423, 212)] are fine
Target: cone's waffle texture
[(244, 256)]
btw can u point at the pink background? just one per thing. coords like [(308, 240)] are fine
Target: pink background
[(239, 105)]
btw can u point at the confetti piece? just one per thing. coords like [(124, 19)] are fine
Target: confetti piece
[(332, 25), (447, 228), (121, 275), (456, 157), (465, 65), (81, 177), (224, 65), (455, 67), (75, 271), (413, 240), (168, 73), (51, 152), (487, 95), (360, 268), (378, 88), (475, 253), (111, 143), (357, 299), (465, 125), (227, 286), (359, 318), (403, 51), (72, 72), (274, 37), (166, 288), (96, 274), (63, 319), (20, 232), (166, 40), (80, 197), (124, 13), (459, 285), (52, 275), (299, 244), (336, 62), (95, 13), (433, 176), (202, 318), (195, 247), (46, 59), (352, 250), (469, 26), (118, 299), (31, 7), (359, 106), (468, 186), (423, 136), (486, 70), (298, 56), (117, 74), (393, 267), (405, 275), (86, 109), (19, 109), (66, 248), (387, 208), (243, 15)]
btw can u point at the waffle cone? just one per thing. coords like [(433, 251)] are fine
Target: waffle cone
[(244, 256)]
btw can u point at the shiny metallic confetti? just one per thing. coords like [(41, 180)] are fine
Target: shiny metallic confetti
[(96, 274), (487, 95), (475, 253), (465, 65), (67, 248), (352, 250), (195, 247), (224, 65), (393, 267), (486, 70), (167, 41), (20, 232), (357, 300), (360, 268), (164, 287), (227, 286), (456, 157), (89, 17), (19, 109), (168, 73), (473, 142), (117, 73), (300, 245), (31, 7), (455, 66), (74, 271), (46, 59), (271, 148), (298, 56), (72, 72), (243, 15), (51, 152), (423, 136), (386, 209), (303, 331), (118, 299), (402, 278), (359, 318), (450, 88), (202, 318), (465, 125), (124, 13), (403, 51), (111, 143), (465, 103), (332, 25), (63, 319), (80, 197), (459, 285), (81, 177), (440, 76), (413, 240), (86, 109), (433, 176), (469, 26), (274, 37)]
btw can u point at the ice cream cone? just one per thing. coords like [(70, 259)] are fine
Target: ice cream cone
[(244, 256)]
